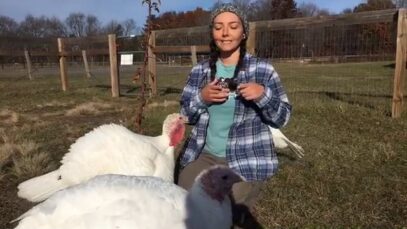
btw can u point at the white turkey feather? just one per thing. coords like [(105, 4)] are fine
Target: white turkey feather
[(108, 149), (111, 201), (282, 142), (132, 202)]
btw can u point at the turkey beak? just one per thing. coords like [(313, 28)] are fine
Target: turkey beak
[(236, 178), (233, 179)]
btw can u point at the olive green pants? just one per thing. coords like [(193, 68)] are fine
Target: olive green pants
[(244, 194)]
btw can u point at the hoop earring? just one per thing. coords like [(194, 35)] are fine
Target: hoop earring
[(244, 36)]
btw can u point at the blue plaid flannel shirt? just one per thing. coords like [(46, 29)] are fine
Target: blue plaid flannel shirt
[(249, 151)]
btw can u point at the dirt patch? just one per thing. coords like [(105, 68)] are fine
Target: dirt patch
[(10, 205)]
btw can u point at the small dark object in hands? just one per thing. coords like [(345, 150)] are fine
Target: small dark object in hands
[(228, 83)]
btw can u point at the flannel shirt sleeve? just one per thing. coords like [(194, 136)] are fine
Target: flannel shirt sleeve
[(192, 104), (274, 103)]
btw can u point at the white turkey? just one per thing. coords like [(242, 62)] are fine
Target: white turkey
[(111, 149), (282, 142), (132, 202)]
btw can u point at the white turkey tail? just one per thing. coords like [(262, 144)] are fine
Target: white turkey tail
[(297, 149), (40, 188), (282, 142)]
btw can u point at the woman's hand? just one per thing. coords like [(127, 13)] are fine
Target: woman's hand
[(250, 91), (213, 93)]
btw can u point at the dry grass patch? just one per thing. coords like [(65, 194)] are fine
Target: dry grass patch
[(88, 108), (54, 103), (9, 117), (22, 158), (165, 103), (31, 165)]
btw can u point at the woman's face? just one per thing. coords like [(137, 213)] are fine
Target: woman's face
[(227, 32)]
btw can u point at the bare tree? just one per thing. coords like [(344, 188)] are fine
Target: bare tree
[(129, 27), (55, 28), (324, 12), (92, 26), (258, 11), (308, 9), (216, 4), (281, 9), (272, 9), (400, 3), (8, 26), (244, 5), (347, 11), (113, 27), (33, 27), (370, 5), (76, 24)]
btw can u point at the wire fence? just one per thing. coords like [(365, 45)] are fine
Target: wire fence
[(348, 58)]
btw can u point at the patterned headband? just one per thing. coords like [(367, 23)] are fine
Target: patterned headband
[(229, 7)]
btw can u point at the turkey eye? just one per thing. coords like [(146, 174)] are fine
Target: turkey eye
[(225, 177)]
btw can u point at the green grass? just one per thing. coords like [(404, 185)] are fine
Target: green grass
[(354, 173)]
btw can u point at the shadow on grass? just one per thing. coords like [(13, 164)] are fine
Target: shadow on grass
[(392, 65), (347, 98), (243, 218), (286, 155), (134, 91), (170, 90), (342, 97), (125, 90)]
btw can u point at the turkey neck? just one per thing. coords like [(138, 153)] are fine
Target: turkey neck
[(165, 165), (162, 142), (204, 210)]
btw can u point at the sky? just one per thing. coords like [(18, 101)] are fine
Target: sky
[(120, 10)]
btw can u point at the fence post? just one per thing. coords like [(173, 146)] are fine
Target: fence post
[(114, 76), (152, 64), (193, 55), (251, 39), (28, 61), (400, 69), (62, 64), (86, 64)]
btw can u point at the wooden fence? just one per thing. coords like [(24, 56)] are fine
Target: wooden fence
[(380, 34), (49, 51), (79, 47)]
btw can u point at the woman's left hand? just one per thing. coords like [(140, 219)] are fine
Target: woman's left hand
[(250, 91)]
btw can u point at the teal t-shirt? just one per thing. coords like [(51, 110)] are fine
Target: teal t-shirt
[(220, 117)]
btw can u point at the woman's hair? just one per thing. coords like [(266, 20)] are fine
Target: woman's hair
[(214, 55)]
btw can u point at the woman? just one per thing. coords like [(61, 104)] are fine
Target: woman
[(231, 98)]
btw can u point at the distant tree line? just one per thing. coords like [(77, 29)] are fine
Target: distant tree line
[(75, 25), (81, 25), (39, 33), (258, 10)]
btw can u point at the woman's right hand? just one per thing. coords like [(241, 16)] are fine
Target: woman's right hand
[(213, 93)]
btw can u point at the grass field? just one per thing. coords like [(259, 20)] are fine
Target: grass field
[(354, 173)]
